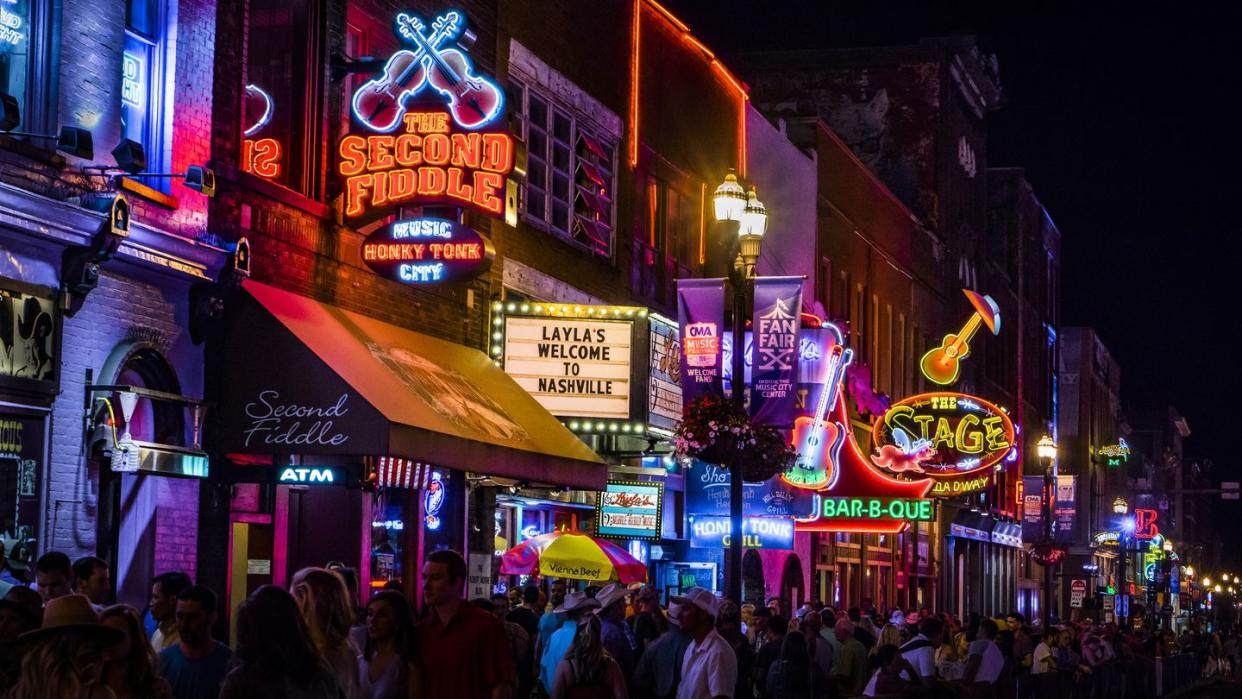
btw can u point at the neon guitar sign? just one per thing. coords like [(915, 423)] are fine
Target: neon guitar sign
[(941, 364), (819, 441), (432, 132), (473, 100)]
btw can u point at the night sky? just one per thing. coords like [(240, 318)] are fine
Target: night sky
[(1126, 121)]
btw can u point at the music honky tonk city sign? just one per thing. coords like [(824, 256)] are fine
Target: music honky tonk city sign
[(428, 128)]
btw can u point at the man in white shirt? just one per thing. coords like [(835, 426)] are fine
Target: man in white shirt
[(920, 651), (985, 660), (709, 668)]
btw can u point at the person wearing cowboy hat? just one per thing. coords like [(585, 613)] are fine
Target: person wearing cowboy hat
[(617, 637), (648, 622), (21, 609), (659, 669), (64, 657), (575, 606), (709, 668)]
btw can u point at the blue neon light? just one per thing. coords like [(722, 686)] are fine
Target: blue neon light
[(267, 110)]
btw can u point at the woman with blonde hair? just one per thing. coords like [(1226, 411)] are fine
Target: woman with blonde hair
[(588, 671), (323, 600), (65, 655), (129, 666)]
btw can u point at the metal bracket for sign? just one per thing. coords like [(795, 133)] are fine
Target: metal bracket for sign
[(197, 407)]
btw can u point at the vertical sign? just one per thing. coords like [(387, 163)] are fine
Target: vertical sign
[(1032, 508), (1065, 509), (1078, 592), (664, 388), (700, 311), (774, 376)]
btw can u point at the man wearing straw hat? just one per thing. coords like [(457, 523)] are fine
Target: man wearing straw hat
[(616, 635)]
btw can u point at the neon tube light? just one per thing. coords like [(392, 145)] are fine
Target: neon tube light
[(267, 110)]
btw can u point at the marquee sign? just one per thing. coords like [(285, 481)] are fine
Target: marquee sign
[(431, 131), (576, 367), (629, 510), (424, 251), (951, 438)]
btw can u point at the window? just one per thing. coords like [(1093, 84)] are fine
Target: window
[(277, 108), (823, 292), (142, 83), (571, 172)]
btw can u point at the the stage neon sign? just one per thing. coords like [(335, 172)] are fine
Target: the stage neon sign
[(431, 128), (952, 438)]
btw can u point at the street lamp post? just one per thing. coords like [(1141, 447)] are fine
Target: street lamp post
[(1047, 451), (1122, 508), (733, 204)]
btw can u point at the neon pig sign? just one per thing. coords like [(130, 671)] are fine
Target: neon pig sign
[(425, 251), (431, 128), (952, 438)]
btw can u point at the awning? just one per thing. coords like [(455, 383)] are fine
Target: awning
[(308, 378), (971, 524)]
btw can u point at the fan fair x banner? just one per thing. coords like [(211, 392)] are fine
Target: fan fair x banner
[(774, 374)]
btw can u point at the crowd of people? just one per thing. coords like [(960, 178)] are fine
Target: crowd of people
[(59, 638)]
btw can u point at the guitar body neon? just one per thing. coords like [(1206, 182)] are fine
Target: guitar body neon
[(819, 441), (380, 103), (942, 364)]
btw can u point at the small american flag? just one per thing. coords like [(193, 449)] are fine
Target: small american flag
[(393, 472)]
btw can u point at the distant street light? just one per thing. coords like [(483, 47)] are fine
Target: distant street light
[(1047, 451)]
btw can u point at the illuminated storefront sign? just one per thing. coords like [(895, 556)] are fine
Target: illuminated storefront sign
[(1145, 523), (576, 367), (11, 24), (941, 364), (433, 501), (427, 251), (133, 92), (1114, 454), (318, 475), (952, 438), (715, 531), (432, 129), (629, 510), (853, 494), (260, 156), (1109, 539), (878, 508)]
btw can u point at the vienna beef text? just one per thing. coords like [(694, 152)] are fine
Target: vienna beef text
[(428, 162)]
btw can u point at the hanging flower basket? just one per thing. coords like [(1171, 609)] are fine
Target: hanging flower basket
[(718, 431)]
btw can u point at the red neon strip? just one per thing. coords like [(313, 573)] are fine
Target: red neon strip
[(741, 137), (852, 526), (703, 223), (669, 16), (652, 202), (638, 15)]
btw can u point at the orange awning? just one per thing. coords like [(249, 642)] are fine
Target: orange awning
[(309, 378)]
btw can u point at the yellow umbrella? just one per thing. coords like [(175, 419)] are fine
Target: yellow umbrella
[(573, 555)]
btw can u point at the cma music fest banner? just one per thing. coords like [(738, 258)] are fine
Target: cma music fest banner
[(700, 313)]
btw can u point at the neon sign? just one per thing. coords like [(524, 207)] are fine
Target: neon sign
[(941, 364), (715, 531), (878, 508), (131, 80), (1115, 454), (952, 438), (433, 128), (859, 497), (10, 27), (433, 502), (1145, 523), (425, 251), (261, 156), (320, 475)]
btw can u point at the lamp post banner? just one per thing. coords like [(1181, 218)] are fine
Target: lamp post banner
[(700, 312), (1032, 508), (774, 376)]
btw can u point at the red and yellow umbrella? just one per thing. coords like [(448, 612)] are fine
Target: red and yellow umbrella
[(575, 555)]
